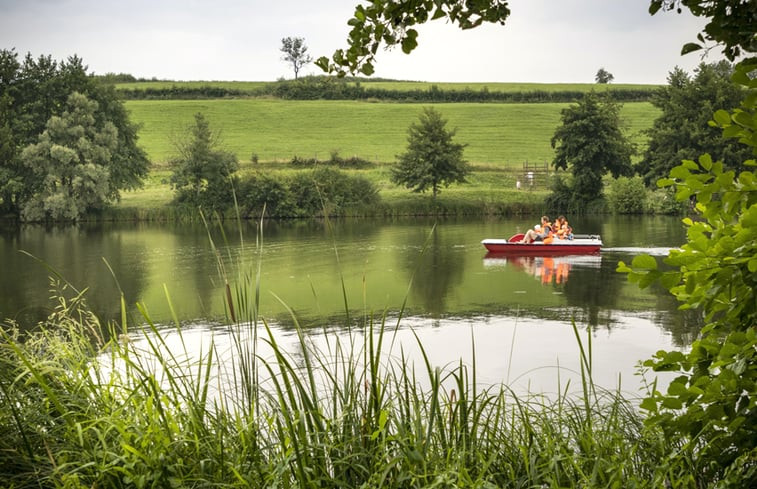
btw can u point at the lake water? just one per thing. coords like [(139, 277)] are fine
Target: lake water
[(516, 312)]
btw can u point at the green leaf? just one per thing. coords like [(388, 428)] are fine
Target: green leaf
[(722, 117), (690, 47), (367, 68), (706, 161), (644, 262), (410, 42), (649, 404)]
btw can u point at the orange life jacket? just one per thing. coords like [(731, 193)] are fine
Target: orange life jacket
[(550, 234), (564, 230)]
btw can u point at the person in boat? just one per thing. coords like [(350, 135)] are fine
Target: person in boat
[(542, 232), (563, 229)]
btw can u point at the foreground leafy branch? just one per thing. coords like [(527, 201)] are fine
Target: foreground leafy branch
[(710, 409)]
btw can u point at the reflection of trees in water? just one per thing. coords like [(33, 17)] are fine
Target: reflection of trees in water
[(592, 294), (438, 270), (683, 326), (77, 253)]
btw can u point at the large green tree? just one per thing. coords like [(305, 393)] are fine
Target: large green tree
[(202, 171), (681, 132), (590, 143), (432, 159), (71, 163), (32, 91)]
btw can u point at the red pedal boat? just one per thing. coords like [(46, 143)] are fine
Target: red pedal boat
[(581, 244)]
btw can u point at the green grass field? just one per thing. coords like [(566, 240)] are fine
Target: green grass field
[(277, 130)]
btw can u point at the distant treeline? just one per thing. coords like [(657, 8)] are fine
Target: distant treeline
[(322, 88)]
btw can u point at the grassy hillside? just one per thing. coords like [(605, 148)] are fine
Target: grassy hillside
[(276, 130)]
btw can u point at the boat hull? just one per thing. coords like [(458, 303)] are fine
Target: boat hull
[(584, 246)]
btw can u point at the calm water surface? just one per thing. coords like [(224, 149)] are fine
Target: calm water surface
[(516, 311)]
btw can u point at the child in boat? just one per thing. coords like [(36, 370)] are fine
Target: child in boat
[(563, 229), (539, 233)]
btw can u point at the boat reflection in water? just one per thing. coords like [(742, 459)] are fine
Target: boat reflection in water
[(547, 269)]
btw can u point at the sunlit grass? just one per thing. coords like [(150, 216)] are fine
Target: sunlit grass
[(502, 135)]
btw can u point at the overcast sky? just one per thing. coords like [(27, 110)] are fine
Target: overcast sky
[(542, 41)]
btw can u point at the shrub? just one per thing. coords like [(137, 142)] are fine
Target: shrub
[(261, 190), (627, 195), (308, 193), (335, 160), (663, 201)]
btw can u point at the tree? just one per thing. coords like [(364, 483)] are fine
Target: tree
[(432, 159), (71, 161), (603, 76), (201, 172), (681, 131), (295, 53), (590, 143), (32, 91)]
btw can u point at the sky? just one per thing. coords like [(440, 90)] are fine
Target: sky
[(543, 41)]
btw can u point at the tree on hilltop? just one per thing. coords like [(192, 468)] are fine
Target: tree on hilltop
[(603, 76), (295, 53)]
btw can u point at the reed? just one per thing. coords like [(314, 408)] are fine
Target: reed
[(83, 404)]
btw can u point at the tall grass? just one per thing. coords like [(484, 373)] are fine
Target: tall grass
[(84, 404)]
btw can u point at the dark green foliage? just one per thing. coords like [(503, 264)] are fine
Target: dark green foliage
[(708, 410), (432, 159), (33, 91), (202, 173), (354, 162), (681, 132), (627, 195), (116, 78), (71, 160), (662, 201), (260, 190), (183, 93), (323, 191), (590, 143), (730, 24), (325, 88)]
